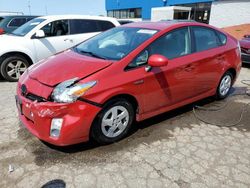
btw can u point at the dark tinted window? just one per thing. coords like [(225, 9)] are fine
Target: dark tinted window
[(83, 26), (16, 22), (205, 38), (172, 45), (105, 25), (56, 28), (28, 19)]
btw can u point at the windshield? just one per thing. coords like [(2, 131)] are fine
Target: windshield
[(115, 43), (27, 27)]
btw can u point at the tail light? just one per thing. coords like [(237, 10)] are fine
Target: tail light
[(2, 31)]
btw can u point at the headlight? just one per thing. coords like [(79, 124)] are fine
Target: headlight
[(67, 91)]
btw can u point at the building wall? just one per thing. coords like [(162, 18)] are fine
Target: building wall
[(228, 13), (146, 5), (177, 2)]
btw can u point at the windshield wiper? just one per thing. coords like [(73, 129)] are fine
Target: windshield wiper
[(90, 53)]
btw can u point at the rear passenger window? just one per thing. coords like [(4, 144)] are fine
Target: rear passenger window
[(205, 38), (83, 26), (16, 22), (105, 25)]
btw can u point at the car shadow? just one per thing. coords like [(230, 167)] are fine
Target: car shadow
[(135, 128), (146, 132), (246, 65)]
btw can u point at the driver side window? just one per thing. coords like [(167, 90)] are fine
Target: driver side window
[(56, 28), (172, 45)]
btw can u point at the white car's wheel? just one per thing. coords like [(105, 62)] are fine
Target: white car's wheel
[(12, 67)]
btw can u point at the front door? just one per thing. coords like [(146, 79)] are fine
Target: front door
[(56, 39), (167, 85)]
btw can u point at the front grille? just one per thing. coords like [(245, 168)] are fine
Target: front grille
[(33, 97), (245, 50)]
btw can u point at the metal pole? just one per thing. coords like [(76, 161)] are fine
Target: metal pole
[(29, 7)]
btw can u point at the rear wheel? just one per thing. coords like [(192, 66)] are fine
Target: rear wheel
[(12, 67), (224, 85), (113, 122)]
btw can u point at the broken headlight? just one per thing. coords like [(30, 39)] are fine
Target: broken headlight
[(68, 91)]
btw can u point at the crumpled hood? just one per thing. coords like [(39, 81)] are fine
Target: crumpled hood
[(65, 66), (245, 43)]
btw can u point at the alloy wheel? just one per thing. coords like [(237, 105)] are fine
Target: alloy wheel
[(225, 85), (16, 68), (115, 121)]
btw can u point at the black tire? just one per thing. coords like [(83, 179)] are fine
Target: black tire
[(219, 94), (5, 68), (96, 132)]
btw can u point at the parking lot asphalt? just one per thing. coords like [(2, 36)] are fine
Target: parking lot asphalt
[(171, 150)]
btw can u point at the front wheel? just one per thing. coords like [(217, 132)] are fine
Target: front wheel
[(113, 122), (12, 67), (224, 86)]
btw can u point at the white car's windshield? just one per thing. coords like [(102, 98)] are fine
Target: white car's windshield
[(116, 43), (27, 27)]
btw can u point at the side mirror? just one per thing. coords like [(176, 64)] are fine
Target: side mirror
[(157, 60), (39, 34)]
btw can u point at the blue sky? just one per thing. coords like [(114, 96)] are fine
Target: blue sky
[(38, 7)]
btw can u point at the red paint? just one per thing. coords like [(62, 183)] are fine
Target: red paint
[(157, 61), (169, 85), (2, 31)]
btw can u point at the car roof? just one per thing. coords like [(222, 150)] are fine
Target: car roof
[(164, 24), (56, 17), (17, 16)]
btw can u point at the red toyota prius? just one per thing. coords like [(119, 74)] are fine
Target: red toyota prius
[(130, 73)]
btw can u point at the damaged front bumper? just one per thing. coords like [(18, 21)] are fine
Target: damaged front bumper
[(37, 117)]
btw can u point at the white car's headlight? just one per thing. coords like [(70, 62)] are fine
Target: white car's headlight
[(67, 91)]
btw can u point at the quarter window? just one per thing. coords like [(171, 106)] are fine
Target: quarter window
[(223, 38), (205, 38), (105, 25)]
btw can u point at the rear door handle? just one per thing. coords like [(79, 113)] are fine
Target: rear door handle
[(189, 68), (70, 40), (221, 57), (137, 82)]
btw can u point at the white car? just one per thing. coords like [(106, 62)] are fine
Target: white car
[(44, 36)]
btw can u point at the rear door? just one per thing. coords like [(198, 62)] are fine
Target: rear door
[(56, 39), (208, 58), (83, 29)]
